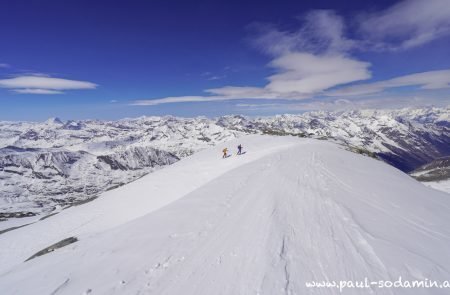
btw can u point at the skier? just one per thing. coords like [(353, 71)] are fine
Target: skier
[(239, 149), (225, 150)]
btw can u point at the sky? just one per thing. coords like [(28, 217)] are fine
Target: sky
[(115, 59)]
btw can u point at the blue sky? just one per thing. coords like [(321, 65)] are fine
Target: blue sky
[(115, 59)]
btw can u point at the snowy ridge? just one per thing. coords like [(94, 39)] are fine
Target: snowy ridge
[(101, 155), (289, 211), (128, 202)]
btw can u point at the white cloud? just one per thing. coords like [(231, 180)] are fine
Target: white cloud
[(376, 102), (174, 99), (258, 105), (299, 76), (306, 62), (241, 92), (212, 78), (320, 32), (4, 66), (37, 91), (407, 24), (425, 80), (317, 56), (307, 74), (40, 84)]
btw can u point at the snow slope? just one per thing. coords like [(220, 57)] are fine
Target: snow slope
[(287, 212), (128, 202), (443, 185)]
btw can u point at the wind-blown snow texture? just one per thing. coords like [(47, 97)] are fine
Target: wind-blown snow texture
[(51, 165), (289, 211)]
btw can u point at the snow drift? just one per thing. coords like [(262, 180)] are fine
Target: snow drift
[(289, 211)]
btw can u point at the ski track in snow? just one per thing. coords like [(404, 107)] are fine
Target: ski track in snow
[(288, 212)]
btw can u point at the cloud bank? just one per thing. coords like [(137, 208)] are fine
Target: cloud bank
[(306, 74), (425, 80), (299, 75), (32, 84), (318, 57), (407, 24), (302, 66)]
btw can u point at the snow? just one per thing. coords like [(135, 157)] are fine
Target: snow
[(443, 185), (127, 202), (287, 212), (15, 222)]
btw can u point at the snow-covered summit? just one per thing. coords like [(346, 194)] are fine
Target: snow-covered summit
[(287, 212), (54, 121)]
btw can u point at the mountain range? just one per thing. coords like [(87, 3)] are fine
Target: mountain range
[(48, 166)]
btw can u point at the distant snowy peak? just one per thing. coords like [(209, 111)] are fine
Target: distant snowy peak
[(73, 125), (54, 121)]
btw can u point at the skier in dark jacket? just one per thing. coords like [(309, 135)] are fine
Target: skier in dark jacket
[(239, 149)]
